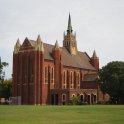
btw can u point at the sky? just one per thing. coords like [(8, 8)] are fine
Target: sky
[(99, 25)]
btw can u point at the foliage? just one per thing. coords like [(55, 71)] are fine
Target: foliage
[(112, 77), (75, 100), (4, 85), (2, 74), (6, 89), (88, 114)]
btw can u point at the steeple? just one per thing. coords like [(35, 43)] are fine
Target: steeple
[(17, 46), (39, 44), (38, 39), (42, 47), (18, 43), (56, 47), (69, 29), (69, 41), (94, 54), (95, 60)]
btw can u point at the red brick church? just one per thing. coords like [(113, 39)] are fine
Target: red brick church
[(50, 74)]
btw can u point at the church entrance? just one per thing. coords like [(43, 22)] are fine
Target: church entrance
[(93, 99), (88, 99), (54, 99), (82, 98)]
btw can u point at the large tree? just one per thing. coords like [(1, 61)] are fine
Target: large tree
[(112, 77), (6, 89), (2, 75)]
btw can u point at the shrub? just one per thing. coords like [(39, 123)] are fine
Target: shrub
[(76, 100)]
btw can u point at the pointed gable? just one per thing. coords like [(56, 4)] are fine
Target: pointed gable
[(27, 45), (26, 42)]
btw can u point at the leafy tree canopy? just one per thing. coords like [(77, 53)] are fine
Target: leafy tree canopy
[(2, 73), (5, 86), (112, 77)]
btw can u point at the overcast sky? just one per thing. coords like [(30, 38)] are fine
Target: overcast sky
[(99, 25)]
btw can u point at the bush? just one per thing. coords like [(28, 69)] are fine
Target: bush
[(76, 100)]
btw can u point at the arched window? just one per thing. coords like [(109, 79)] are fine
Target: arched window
[(78, 80), (82, 98), (46, 75), (63, 97), (65, 79), (52, 75), (71, 77), (72, 81)]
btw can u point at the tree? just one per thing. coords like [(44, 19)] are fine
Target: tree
[(112, 77), (2, 75), (6, 89)]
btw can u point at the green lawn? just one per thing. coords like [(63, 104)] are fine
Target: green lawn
[(87, 114)]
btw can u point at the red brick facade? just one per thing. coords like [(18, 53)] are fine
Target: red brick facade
[(49, 74)]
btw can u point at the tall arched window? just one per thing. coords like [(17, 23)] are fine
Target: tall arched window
[(53, 75), (78, 80), (72, 81), (65, 79), (46, 75), (71, 77)]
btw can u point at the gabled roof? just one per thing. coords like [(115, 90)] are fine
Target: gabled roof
[(80, 60), (48, 48), (32, 42), (27, 44)]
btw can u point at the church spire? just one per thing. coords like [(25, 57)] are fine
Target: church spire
[(95, 60), (94, 54), (69, 41), (39, 44), (56, 47), (17, 46), (69, 30), (38, 39)]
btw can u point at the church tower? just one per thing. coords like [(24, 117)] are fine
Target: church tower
[(69, 41), (95, 60)]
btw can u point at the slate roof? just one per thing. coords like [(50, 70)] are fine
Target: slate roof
[(32, 42), (80, 60)]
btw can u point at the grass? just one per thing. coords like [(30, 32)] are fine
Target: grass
[(87, 114)]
